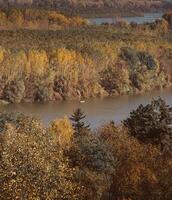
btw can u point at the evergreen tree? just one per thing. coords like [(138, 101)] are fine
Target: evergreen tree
[(78, 123), (151, 123)]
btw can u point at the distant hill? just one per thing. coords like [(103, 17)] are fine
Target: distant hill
[(118, 4)]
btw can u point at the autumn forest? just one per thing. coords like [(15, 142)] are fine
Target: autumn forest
[(50, 54)]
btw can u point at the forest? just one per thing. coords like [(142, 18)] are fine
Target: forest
[(28, 18), (124, 4), (69, 161), (47, 55), (62, 61)]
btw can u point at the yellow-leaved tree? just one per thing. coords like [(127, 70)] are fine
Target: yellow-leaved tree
[(57, 18), (3, 18), (16, 17), (38, 61), (13, 63), (62, 132)]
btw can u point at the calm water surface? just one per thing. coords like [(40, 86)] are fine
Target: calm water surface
[(148, 17), (98, 110)]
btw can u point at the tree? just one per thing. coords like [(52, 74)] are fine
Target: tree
[(58, 19), (130, 56), (168, 17), (63, 132), (79, 126), (115, 79), (147, 60), (16, 17), (151, 123), (14, 91), (142, 171), (91, 157), (3, 18), (32, 165), (44, 87)]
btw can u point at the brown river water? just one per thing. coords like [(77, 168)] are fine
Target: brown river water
[(98, 111)]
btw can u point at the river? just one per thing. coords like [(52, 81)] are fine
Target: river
[(98, 111), (147, 17)]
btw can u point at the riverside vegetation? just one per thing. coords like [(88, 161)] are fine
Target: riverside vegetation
[(68, 161), (45, 60), (73, 60)]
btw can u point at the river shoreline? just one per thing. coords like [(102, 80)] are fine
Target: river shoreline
[(98, 110), (140, 18), (83, 100)]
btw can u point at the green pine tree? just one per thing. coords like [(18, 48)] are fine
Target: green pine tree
[(77, 121)]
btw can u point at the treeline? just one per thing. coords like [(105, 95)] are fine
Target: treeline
[(85, 62), (68, 4), (67, 161), (37, 19)]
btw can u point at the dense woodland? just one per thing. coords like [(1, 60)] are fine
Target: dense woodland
[(48, 56), (92, 8), (28, 18), (69, 161), (124, 4), (66, 58)]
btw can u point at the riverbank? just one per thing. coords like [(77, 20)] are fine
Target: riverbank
[(98, 110), (105, 12), (85, 62), (140, 19), (3, 103)]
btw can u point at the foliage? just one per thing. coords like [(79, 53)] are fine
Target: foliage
[(14, 91), (151, 123), (135, 58), (94, 163), (141, 170), (79, 63), (15, 16), (115, 79), (78, 124), (78, 5), (54, 163), (147, 59), (168, 17), (3, 17), (63, 132), (36, 18), (32, 165)]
